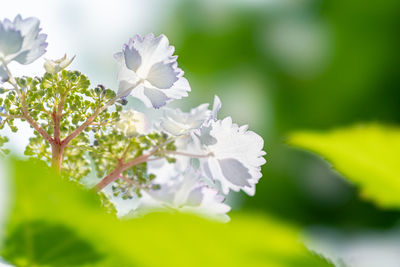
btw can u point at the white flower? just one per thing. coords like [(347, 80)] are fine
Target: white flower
[(149, 71), (187, 193), (236, 157), (21, 41), (179, 123), (132, 123), (54, 66)]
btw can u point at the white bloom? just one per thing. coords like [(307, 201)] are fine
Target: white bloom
[(187, 193), (179, 123), (54, 66), (149, 71), (21, 41), (132, 123), (236, 158)]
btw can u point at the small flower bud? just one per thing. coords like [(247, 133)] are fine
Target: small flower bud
[(54, 66), (123, 101), (22, 82)]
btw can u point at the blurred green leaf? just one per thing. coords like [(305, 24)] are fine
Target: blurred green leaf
[(56, 223), (368, 155)]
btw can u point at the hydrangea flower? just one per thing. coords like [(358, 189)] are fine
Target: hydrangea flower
[(132, 122), (177, 122), (236, 156), (21, 41), (54, 66), (149, 71), (189, 194)]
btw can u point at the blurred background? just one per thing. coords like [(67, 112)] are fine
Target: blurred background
[(277, 65)]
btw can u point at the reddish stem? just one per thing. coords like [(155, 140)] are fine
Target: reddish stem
[(57, 152), (114, 175)]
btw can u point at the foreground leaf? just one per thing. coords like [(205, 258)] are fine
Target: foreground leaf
[(55, 223), (368, 155)]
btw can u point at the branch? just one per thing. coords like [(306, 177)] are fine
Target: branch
[(188, 154), (36, 126), (57, 118), (89, 120), (114, 175), (25, 111), (10, 116)]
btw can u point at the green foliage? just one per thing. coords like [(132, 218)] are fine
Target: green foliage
[(55, 223), (367, 155), (68, 249)]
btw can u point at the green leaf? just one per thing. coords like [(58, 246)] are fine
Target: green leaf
[(57, 223), (368, 155)]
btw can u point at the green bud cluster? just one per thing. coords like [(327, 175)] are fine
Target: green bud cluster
[(44, 95), (65, 98), (10, 105)]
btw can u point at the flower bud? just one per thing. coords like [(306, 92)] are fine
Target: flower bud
[(54, 66)]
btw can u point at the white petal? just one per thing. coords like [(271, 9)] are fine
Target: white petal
[(163, 75), (156, 97), (127, 79), (171, 127), (133, 60), (10, 40), (234, 171), (216, 107), (195, 197), (34, 50), (152, 49), (29, 28), (179, 89), (237, 155), (33, 44)]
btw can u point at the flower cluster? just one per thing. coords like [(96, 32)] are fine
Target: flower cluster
[(185, 161)]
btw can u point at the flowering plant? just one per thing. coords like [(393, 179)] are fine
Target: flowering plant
[(187, 161)]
